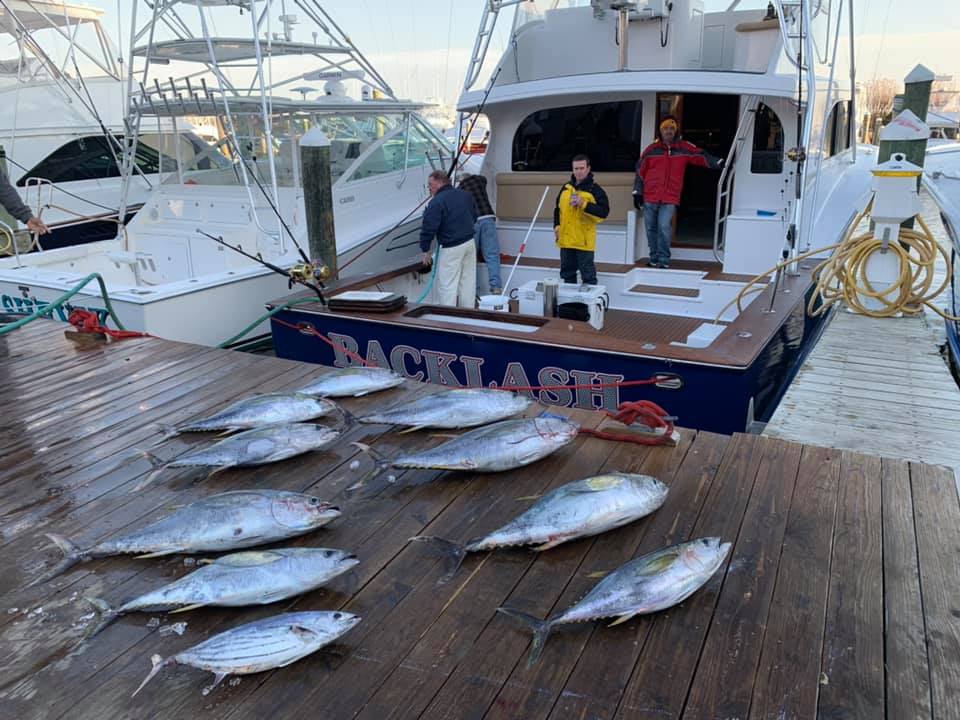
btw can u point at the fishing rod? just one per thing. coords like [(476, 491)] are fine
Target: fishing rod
[(476, 116), (309, 274)]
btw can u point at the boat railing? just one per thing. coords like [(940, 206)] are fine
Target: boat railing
[(725, 184)]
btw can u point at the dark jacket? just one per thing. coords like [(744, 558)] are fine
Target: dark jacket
[(10, 199), (599, 209), (662, 168), (476, 185), (450, 217)]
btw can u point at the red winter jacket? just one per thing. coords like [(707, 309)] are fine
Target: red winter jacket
[(662, 168)]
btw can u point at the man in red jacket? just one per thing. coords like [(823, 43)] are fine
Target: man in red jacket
[(660, 168)]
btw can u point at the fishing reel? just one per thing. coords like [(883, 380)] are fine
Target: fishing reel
[(305, 273)]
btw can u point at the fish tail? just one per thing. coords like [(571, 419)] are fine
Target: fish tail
[(348, 418), (106, 613), (71, 556), (453, 552), (158, 664), (381, 463), (158, 467), (168, 431), (541, 629)]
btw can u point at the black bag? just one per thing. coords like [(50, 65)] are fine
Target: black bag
[(573, 311)]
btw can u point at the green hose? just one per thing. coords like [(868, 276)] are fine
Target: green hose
[(265, 316), (433, 274), (10, 327)]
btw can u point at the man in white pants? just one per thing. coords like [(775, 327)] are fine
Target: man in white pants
[(450, 217)]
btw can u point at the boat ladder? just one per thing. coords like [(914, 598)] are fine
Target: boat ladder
[(725, 184)]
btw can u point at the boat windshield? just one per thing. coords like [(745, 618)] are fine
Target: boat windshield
[(374, 142)]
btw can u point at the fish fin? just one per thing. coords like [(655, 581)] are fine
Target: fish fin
[(226, 432), (597, 574), (158, 664), (527, 497), (381, 463), (107, 614), (449, 436), (411, 429), (166, 431), (186, 608), (550, 544), (216, 470), (71, 556), (453, 552), (348, 418), (541, 629), (148, 480), (159, 553), (303, 632), (621, 619)]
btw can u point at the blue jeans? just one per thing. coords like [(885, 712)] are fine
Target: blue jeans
[(658, 219), (485, 232)]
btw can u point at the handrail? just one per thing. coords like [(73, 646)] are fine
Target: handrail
[(728, 170)]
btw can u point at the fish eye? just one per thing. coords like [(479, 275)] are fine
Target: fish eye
[(314, 501), (337, 616), (328, 553)]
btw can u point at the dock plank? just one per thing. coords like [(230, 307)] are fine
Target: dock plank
[(839, 599)]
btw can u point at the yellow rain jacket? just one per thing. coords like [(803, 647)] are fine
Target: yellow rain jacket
[(578, 225)]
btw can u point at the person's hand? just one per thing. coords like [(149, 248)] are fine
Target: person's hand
[(38, 226), (427, 259), (575, 201), (556, 232)]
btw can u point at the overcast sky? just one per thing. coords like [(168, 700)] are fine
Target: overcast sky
[(422, 46)]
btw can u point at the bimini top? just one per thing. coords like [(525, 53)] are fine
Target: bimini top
[(40, 14), (227, 50)]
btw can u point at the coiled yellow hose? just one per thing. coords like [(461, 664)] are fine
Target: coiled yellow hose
[(843, 275)]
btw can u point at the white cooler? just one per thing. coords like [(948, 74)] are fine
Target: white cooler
[(595, 297)]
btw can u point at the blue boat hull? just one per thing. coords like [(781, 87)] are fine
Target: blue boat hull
[(712, 398)]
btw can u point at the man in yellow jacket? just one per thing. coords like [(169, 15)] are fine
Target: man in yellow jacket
[(581, 205)]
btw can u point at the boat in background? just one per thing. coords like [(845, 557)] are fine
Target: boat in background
[(165, 276), (764, 88)]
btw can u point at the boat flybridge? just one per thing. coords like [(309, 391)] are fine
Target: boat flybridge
[(280, 69), (768, 88)]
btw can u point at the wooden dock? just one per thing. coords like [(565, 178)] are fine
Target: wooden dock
[(839, 600)]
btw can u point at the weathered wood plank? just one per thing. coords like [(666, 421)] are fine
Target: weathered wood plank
[(721, 687), (788, 675), (907, 669), (937, 513), (851, 683)]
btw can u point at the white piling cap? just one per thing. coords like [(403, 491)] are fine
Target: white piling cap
[(905, 126), (921, 73), (314, 137)]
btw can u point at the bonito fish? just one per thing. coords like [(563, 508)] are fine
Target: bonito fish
[(575, 510), (502, 446), (353, 382), (227, 521), (260, 410), (259, 446), (253, 577), (450, 409), (265, 644), (653, 582)]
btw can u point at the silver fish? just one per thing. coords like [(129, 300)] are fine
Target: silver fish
[(253, 577), (461, 408), (274, 642), (259, 446), (653, 582), (227, 521), (575, 510), (352, 382), (501, 446), (260, 410)]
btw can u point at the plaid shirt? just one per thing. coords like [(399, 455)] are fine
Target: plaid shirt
[(476, 185)]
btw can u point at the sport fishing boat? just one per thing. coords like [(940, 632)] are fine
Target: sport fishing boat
[(767, 87), (941, 178), (61, 121), (293, 70)]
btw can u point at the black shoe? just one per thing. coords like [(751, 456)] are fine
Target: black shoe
[(651, 263), (664, 265)]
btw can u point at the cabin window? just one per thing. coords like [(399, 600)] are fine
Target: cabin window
[(767, 157), (426, 148), (610, 133), (838, 129), (90, 158)]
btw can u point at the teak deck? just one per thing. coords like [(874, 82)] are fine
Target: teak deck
[(839, 599), (625, 332)]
